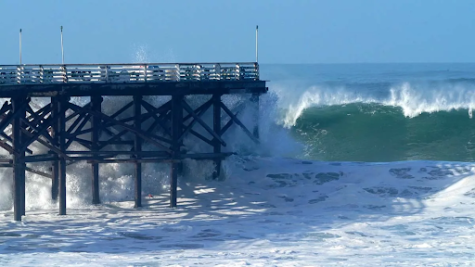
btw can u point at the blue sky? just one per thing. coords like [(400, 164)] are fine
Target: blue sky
[(312, 31)]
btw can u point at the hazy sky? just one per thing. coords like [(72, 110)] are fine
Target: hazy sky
[(298, 31)]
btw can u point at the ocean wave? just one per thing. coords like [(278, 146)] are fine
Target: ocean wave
[(378, 132), (414, 98)]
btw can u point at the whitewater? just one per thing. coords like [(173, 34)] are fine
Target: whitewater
[(359, 165)]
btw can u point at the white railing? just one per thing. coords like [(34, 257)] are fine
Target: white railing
[(126, 73)]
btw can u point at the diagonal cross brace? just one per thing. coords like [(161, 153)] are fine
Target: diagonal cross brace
[(107, 118), (230, 122), (6, 106), (238, 122), (199, 112), (6, 121), (153, 112), (202, 123), (39, 131), (46, 144)]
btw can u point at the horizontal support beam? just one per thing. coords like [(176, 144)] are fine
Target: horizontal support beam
[(207, 156), (148, 160), (140, 153), (127, 89), (44, 174), (41, 158), (159, 157)]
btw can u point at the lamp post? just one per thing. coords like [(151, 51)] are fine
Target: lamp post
[(20, 46), (62, 48)]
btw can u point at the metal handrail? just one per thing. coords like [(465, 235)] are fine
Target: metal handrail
[(126, 73)]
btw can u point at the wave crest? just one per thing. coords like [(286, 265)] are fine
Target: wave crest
[(413, 98)]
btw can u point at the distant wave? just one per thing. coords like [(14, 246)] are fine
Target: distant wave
[(413, 98)]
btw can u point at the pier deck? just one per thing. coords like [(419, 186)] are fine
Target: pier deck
[(59, 122)]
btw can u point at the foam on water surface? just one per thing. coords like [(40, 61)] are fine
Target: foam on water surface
[(269, 212)]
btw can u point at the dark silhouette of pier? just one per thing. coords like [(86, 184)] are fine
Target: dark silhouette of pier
[(60, 123)]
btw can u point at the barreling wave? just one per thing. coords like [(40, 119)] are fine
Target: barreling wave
[(413, 98), (408, 121)]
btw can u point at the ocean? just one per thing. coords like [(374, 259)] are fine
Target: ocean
[(358, 165), (377, 112)]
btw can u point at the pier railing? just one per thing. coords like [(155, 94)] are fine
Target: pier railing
[(126, 73)]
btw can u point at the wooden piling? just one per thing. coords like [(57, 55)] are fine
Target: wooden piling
[(138, 148), (217, 130), (95, 126), (255, 102), (62, 107), (54, 135), (18, 109), (177, 121)]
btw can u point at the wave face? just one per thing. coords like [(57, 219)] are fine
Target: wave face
[(371, 112), (374, 132)]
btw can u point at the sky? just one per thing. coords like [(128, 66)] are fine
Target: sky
[(298, 31)]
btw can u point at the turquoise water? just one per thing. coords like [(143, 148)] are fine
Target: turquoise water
[(377, 112)]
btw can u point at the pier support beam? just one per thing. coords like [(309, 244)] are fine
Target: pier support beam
[(54, 135), (62, 107), (255, 102), (217, 130), (95, 135), (177, 122), (19, 166), (138, 148)]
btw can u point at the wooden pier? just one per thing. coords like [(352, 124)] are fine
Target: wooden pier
[(59, 123)]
